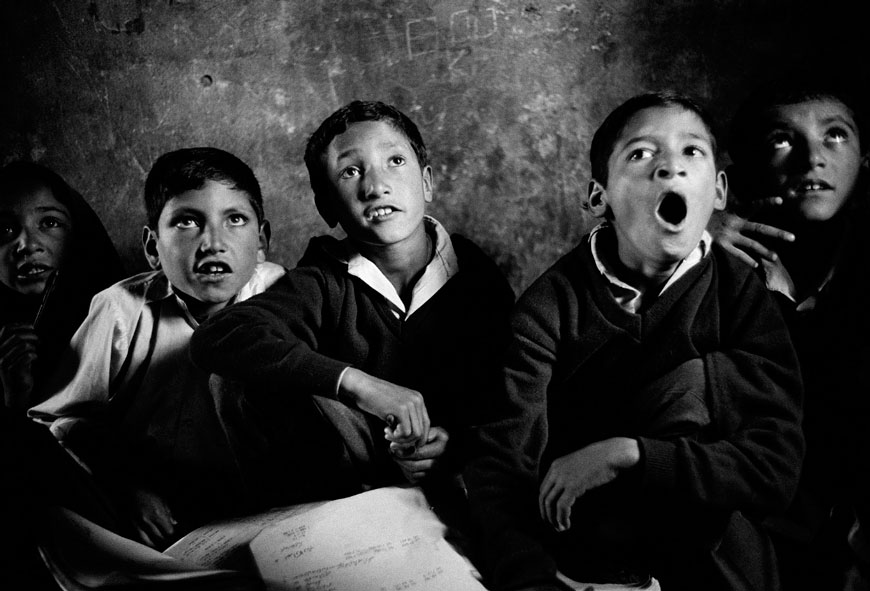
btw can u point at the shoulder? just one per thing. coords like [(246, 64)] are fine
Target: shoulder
[(567, 276), (136, 291), (733, 275), (324, 252)]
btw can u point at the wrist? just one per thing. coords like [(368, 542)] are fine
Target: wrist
[(629, 452)]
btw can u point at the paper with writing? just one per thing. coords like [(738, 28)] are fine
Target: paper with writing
[(385, 539), (224, 544)]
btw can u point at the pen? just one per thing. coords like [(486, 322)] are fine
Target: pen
[(49, 287)]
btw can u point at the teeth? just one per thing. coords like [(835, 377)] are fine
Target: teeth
[(212, 268), (810, 186), (380, 211)]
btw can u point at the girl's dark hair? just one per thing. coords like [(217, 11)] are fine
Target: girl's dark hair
[(337, 123), (189, 169), (608, 133)]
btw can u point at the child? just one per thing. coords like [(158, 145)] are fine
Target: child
[(126, 400), (652, 403), (397, 326), (49, 235), (798, 148)]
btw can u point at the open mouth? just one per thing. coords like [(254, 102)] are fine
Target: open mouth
[(377, 213), (809, 186), (213, 268), (672, 208), (33, 271)]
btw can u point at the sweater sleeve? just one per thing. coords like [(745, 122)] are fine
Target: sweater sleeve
[(503, 478), (753, 459), (272, 340)]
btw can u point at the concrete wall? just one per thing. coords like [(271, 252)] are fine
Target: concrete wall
[(507, 93)]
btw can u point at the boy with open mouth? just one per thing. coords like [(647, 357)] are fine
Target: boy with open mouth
[(652, 400), (127, 401)]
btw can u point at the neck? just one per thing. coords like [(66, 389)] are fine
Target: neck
[(403, 264)]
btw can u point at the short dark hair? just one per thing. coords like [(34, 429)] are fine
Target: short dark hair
[(790, 89), (608, 133), (189, 169), (338, 122)]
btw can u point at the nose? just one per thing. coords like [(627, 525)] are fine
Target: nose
[(213, 238), (815, 154), (670, 165), (26, 242), (375, 185)]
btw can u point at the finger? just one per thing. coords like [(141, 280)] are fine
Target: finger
[(740, 254), (546, 486), (756, 249), (144, 537), (769, 231), (563, 510)]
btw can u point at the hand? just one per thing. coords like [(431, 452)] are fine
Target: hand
[(734, 234), (417, 462), (152, 519), (385, 399), (572, 475), (18, 343)]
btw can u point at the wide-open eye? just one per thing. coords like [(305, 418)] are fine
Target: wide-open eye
[(837, 135), (640, 154), (398, 160), (349, 172), (695, 151), (185, 222), (237, 219), (779, 140)]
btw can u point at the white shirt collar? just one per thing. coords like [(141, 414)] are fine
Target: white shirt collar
[(440, 269), (627, 296)]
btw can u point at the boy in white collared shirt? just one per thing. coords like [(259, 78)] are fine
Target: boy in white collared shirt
[(396, 329), (126, 401)]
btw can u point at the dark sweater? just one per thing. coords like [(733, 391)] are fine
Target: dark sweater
[(296, 339), (577, 372)]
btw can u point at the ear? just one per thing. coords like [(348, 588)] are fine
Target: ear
[(265, 237), (149, 244), (325, 209), (597, 199), (428, 184), (721, 191)]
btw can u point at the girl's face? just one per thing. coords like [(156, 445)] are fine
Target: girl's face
[(813, 157), (35, 236)]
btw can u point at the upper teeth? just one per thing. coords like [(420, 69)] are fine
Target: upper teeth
[(812, 186), (213, 268), (376, 213)]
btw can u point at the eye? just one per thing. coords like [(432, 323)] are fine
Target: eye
[(349, 172), (186, 221), (52, 222), (7, 231), (237, 219), (779, 140), (837, 135), (695, 151), (640, 154), (398, 160)]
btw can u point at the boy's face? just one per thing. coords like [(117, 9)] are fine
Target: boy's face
[(811, 157), (662, 188), (208, 243), (379, 189), (35, 235)]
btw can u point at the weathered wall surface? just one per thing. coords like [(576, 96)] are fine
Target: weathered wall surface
[(507, 93)]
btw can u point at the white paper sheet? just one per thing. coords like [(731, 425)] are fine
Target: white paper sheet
[(387, 539)]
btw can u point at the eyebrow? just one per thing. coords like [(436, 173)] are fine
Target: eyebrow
[(384, 145), (54, 208), (653, 139)]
